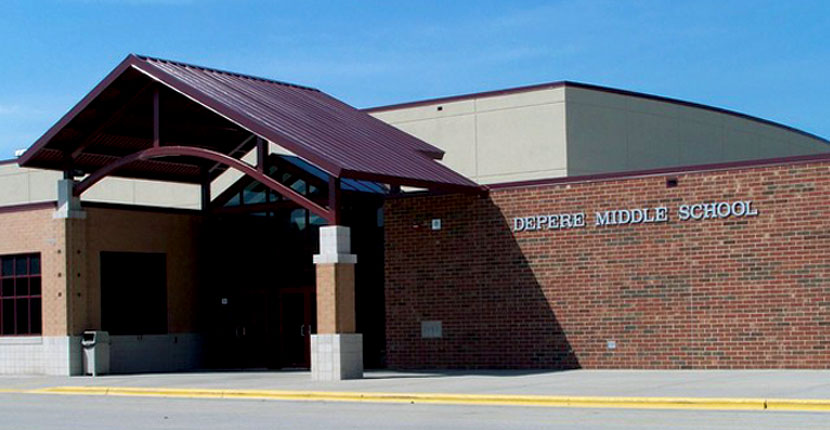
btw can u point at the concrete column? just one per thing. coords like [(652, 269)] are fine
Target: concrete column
[(336, 350), (69, 206)]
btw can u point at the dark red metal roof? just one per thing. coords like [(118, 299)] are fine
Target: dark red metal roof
[(339, 139)]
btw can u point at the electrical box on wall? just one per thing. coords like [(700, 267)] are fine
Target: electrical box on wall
[(431, 330)]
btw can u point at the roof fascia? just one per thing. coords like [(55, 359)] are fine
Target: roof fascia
[(473, 188)]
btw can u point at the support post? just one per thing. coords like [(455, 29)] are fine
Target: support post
[(334, 199), (205, 190), (156, 119), (261, 154), (336, 350)]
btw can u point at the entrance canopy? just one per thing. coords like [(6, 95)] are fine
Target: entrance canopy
[(164, 120)]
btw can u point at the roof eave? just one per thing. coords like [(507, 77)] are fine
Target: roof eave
[(463, 185), (128, 62)]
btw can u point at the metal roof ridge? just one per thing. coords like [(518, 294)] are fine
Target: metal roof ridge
[(224, 72)]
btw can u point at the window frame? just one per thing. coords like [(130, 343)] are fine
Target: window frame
[(34, 325)]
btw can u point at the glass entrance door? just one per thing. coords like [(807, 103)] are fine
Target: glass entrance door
[(297, 313), (252, 334)]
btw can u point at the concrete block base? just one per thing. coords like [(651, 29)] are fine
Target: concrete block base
[(36, 355), (335, 357)]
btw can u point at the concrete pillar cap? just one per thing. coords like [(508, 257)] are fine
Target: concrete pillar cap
[(335, 246), (69, 206)]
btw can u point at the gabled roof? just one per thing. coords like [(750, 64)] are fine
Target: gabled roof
[(337, 138)]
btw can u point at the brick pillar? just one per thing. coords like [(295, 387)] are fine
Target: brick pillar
[(336, 350)]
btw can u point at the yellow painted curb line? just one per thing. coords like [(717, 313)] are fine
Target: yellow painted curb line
[(822, 405), (460, 399)]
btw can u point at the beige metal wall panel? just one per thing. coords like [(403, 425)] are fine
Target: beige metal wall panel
[(21, 186), (652, 140), (14, 189), (596, 138), (426, 112), (519, 141), (145, 193), (521, 99), (699, 143), (523, 176), (167, 194), (111, 190), (455, 135), (43, 185), (610, 132), (496, 138)]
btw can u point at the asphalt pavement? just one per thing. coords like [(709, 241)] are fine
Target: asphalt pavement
[(22, 411)]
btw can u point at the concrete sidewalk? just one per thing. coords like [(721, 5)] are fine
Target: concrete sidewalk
[(614, 386)]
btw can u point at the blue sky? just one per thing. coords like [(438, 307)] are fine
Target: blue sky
[(764, 58)]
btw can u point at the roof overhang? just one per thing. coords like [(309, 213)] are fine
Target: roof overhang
[(146, 102)]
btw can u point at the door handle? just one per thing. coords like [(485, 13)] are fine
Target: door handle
[(302, 330)]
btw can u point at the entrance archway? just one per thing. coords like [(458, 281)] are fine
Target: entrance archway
[(160, 120)]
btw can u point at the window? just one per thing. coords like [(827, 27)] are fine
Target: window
[(20, 297)]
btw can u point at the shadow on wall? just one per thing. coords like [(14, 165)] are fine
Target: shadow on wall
[(472, 276)]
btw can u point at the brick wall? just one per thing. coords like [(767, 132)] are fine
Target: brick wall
[(177, 235), (34, 231), (31, 229), (751, 292)]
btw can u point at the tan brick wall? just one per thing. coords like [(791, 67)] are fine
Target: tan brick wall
[(717, 293), (335, 298), (177, 235), (35, 231)]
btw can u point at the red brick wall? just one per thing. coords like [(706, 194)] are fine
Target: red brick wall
[(717, 293)]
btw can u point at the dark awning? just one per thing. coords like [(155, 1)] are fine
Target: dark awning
[(222, 112)]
